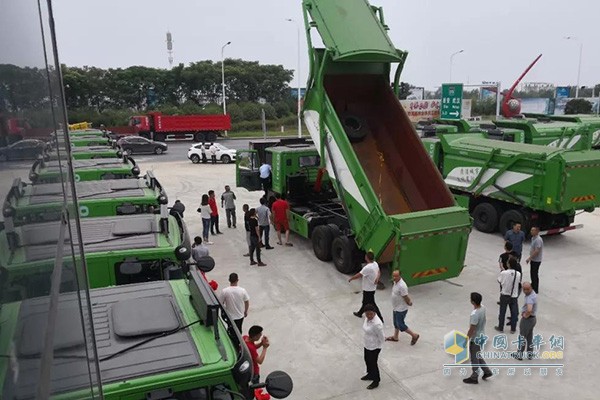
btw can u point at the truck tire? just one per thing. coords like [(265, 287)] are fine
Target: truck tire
[(510, 217), (210, 136), (342, 253), (355, 127), (198, 137), (160, 137), (322, 239), (485, 217), (335, 230)]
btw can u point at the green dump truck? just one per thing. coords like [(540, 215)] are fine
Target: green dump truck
[(157, 340), (83, 140), (589, 119), (43, 171), (28, 203), (502, 183), (562, 134), (385, 194), (118, 250), (87, 153)]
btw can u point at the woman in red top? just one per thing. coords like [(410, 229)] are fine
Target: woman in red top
[(214, 213), (280, 219)]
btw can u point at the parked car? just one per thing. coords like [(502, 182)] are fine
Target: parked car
[(28, 149), (224, 154), (138, 145)]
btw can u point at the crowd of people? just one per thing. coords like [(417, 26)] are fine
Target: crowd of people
[(272, 211)]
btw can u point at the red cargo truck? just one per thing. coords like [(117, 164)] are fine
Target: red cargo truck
[(159, 127)]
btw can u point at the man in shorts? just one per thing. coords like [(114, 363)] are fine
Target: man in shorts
[(280, 219)]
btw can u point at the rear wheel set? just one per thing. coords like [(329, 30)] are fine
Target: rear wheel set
[(330, 244)]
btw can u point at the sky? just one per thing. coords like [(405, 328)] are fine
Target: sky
[(499, 38)]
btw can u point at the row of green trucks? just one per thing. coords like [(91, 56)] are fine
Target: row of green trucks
[(160, 331)]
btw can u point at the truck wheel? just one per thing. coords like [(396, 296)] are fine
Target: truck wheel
[(511, 217), (342, 253), (160, 137), (211, 136), (195, 158), (199, 137), (225, 159), (322, 238), (485, 217)]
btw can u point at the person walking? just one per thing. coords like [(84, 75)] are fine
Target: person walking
[(228, 202), (265, 177), (516, 237), (264, 221), (254, 239), (528, 321), (178, 208), (254, 341), (477, 329), (246, 209), (204, 211), (280, 219), (400, 303), (236, 301), (509, 280), (536, 251), (214, 213), (213, 153), (370, 275), (373, 343), (199, 250)]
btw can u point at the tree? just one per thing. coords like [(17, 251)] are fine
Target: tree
[(578, 106)]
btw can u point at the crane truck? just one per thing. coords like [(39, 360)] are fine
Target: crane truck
[(366, 184)]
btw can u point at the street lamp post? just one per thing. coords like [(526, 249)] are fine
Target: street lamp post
[(451, 61), (579, 67), (298, 77), (223, 78)]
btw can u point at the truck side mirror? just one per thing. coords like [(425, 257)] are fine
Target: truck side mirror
[(278, 384)]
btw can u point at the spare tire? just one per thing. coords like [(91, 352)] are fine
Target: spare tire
[(322, 238), (355, 127)]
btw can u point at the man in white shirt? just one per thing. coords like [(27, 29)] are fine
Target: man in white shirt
[(370, 275), (373, 343), (213, 153), (265, 177), (509, 280), (400, 304), (236, 301)]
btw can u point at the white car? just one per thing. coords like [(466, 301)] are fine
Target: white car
[(224, 154)]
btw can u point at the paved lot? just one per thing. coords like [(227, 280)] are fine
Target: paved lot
[(306, 307)]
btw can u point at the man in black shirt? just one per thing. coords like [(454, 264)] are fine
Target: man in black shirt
[(254, 238), (503, 259)]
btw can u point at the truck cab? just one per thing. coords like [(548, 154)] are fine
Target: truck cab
[(140, 123)]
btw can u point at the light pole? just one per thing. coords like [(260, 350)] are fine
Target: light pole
[(298, 77), (451, 61), (579, 67), (223, 78)]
